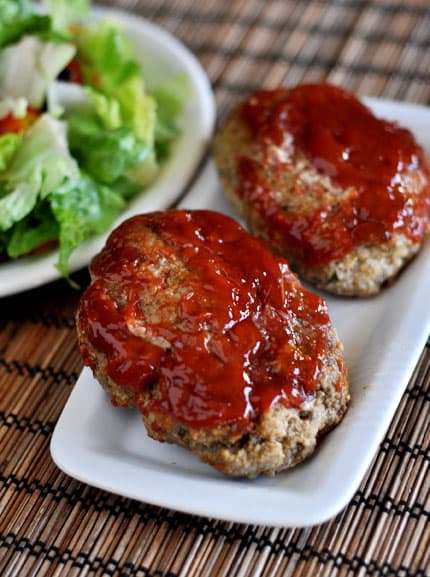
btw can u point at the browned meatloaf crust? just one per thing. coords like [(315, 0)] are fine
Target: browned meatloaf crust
[(295, 189), (141, 284)]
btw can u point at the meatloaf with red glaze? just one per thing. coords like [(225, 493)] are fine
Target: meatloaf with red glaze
[(214, 340), (343, 195)]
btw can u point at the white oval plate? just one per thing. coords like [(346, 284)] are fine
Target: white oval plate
[(382, 336), (161, 56)]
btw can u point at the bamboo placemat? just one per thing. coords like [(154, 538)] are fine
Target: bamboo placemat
[(53, 525)]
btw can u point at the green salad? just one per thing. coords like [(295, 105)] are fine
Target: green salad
[(79, 133)]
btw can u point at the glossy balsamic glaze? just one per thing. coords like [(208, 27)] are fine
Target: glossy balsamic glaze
[(233, 334), (344, 140)]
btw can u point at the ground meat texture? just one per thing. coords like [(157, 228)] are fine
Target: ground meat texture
[(343, 195), (214, 340)]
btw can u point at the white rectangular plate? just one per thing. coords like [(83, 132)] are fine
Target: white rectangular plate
[(382, 336)]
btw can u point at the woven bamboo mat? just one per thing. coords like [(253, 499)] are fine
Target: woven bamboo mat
[(53, 525)]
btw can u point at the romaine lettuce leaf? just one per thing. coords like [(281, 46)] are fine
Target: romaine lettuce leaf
[(17, 17), (28, 67), (166, 131), (126, 187), (44, 147), (82, 208), (172, 95), (66, 12), (35, 230), (66, 97), (107, 108), (104, 154), (9, 144), (105, 54), (13, 9), (117, 132), (146, 172), (109, 67), (118, 94), (15, 204), (39, 165)]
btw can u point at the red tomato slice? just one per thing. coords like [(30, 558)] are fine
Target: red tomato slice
[(12, 124)]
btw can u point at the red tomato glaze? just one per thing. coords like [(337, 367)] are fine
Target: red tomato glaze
[(233, 342), (344, 140)]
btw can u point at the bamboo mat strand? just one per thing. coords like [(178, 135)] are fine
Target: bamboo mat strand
[(52, 525)]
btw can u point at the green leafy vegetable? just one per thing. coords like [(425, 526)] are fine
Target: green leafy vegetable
[(106, 54), (40, 164), (117, 89), (172, 95), (82, 208), (105, 154), (18, 202), (36, 229), (107, 109), (29, 67), (108, 65), (67, 12), (170, 98), (126, 187), (17, 17), (8, 145), (66, 185), (11, 10)]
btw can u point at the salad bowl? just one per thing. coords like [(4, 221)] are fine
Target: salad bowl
[(162, 57)]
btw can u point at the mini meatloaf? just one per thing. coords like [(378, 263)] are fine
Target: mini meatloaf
[(214, 340), (343, 195)]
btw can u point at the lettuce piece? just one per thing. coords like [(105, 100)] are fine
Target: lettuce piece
[(9, 144), (105, 54), (66, 97), (17, 203), (18, 17), (171, 98), (146, 172), (29, 67), (143, 121), (44, 148), (109, 68), (125, 187), (166, 132), (107, 109), (66, 12), (117, 131), (11, 10), (172, 95), (104, 154), (39, 165), (82, 208), (36, 229), (117, 93)]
